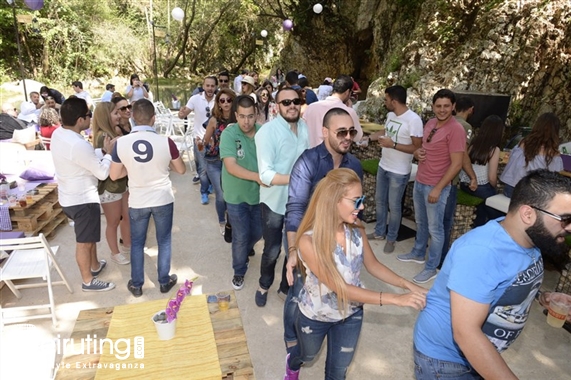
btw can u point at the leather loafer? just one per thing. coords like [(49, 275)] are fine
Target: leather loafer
[(137, 291), (172, 282)]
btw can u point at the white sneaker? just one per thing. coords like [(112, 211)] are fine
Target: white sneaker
[(120, 259), (222, 228)]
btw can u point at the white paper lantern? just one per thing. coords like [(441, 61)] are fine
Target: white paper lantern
[(177, 13), (318, 8), (264, 33)]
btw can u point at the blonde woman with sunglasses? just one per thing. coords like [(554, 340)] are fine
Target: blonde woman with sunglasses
[(332, 248), (113, 195)]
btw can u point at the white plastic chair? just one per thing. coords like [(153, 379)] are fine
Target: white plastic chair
[(31, 258), (185, 143), (45, 142)]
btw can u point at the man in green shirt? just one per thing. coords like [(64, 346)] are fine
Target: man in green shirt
[(241, 185)]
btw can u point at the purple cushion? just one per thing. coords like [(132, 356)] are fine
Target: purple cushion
[(32, 174)]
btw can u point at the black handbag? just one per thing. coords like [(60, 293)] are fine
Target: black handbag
[(227, 232)]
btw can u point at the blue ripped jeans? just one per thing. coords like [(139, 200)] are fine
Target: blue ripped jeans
[(342, 338)]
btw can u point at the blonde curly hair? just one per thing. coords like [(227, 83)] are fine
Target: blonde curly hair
[(49, 116)]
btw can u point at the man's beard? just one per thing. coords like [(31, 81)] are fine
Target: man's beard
[(551, 251), (291, 119)]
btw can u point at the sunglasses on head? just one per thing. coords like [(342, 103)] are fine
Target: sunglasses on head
[(431, 135), (288, 102), (224, 100), (125, 108), (565, 220), (358, 201), (344, 132)]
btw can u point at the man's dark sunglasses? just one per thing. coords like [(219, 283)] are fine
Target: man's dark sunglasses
[(125, 108), (223, 80), (288, 102), (344, 132)]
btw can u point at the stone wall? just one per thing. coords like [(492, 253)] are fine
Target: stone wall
[(516, 47)]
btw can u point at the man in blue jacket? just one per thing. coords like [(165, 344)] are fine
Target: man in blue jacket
[(312, 166)]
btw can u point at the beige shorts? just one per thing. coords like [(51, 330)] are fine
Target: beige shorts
[(108, 197)]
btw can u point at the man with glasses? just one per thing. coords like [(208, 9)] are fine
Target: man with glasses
[(439, 160), (224, 79), (314, 113), (241, 184), (403, 135), (310, 168), (279, 143), (202, 104), (77, 169), (481, 299)]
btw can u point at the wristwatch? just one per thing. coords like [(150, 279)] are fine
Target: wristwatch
[(395, 145)]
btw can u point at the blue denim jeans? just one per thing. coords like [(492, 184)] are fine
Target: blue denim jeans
[(483, 212), (388, 197), (272, 231), (449, 213), (342, 338), (246, 221), (201, 169), (214, 172), (429, 219), (508, 190), (139, 218), (427, 368), (291, 310)]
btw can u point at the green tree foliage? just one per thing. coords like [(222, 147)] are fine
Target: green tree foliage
[(78, 39)]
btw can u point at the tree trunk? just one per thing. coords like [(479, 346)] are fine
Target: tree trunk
[(205, 39), (182, 48)]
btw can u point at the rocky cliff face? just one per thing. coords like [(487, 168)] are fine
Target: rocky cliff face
[(517, 47)]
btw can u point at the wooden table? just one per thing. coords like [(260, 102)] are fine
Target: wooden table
[(229, 336)]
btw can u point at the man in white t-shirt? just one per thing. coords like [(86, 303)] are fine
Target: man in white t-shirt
[(30, 111), (147, 157), (77, 170), (403, 135), (202, 104), (81, 93)]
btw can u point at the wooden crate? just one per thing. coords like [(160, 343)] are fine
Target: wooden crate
[(43, 214)]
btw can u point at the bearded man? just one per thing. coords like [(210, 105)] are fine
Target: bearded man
[(279, 143), (481, 298)]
